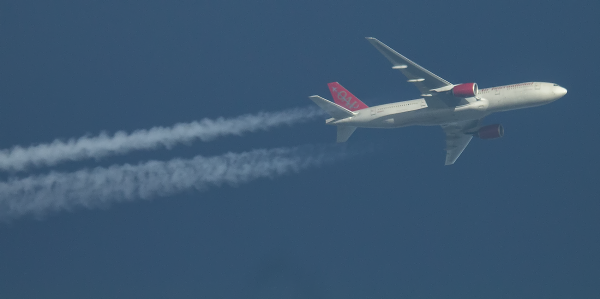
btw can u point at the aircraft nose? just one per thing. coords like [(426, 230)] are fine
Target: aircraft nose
[(560, 91)]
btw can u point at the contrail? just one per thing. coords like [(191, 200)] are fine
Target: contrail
[(49, 154), (89, 188)]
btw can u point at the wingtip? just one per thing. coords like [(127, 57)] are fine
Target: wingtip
[(368, 37)]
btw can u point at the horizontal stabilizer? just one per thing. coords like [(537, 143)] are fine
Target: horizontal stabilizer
[(335, 110), (344, 132)]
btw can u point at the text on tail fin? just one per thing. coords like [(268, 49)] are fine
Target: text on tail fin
[(344, 98)]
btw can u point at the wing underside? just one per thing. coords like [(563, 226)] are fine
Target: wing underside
[(457, 138), (429, 84), (422, 78)]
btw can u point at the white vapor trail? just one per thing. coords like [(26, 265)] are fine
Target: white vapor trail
[(89, 188), (49, 154)]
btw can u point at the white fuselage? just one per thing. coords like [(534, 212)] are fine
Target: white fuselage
[(488, 100)]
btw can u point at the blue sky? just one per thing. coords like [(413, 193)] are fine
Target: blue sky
[(513, 218)]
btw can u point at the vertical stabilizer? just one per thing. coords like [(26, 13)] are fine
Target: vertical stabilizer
[(344, 98), (344, 132)]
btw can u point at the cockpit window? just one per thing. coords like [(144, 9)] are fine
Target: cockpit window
[(555, 84)]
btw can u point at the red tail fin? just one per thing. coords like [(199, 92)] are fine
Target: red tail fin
[(344, 98)]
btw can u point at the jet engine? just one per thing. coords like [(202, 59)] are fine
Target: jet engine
[(465, 90), (490, 132)]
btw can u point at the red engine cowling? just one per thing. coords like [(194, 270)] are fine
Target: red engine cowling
[(465, 90), (491, 132)]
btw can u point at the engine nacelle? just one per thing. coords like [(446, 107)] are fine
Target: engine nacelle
[(465, 90), (491, 132)]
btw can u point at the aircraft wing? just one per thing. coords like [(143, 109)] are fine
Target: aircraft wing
[(456, 139), (422, 78)]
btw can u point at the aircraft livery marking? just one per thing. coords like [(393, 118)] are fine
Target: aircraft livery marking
[(343, 96)]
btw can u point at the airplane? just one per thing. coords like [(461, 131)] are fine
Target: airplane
[(457, 108)]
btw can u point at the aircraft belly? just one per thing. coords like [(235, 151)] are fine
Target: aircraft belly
[(520, 100), (425, 116), (444, 116), (395, 120)]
